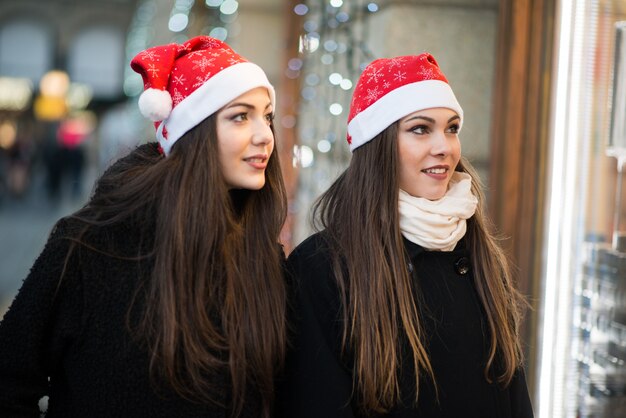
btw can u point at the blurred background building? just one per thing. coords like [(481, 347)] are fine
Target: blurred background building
[(542, 84)]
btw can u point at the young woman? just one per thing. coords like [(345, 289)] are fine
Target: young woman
[(164, 296), (405, 305)]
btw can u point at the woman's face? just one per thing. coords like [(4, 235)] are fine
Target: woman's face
[(429, 147), (245, 140)]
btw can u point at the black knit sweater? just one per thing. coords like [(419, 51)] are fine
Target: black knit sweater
[(69, 339)]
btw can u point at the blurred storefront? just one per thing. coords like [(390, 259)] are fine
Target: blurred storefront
[(81, 50), (582, 334), (60, 70)]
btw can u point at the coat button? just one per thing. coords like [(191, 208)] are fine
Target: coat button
[(462, 266)]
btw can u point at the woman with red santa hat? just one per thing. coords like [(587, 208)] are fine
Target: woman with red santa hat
[(405, 304), (164, 295)]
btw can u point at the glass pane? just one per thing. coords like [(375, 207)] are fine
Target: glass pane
[(583, 348)]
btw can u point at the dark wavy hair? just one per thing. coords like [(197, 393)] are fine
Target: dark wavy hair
[(360, 216), (216, 297)]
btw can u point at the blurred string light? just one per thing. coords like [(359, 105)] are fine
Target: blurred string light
[(332, 53), (179, 16), (225, 23), (229, 7), (335, 109), (293, 68), (312, 79), (301, 9), (335, 79), (309, 42), (140, 35), (308, 93), (342, 17), (323, 146), (217, 19), (295, 64), (372, 7), (303, 156), (346, 84), (178, 22), (219, 32)]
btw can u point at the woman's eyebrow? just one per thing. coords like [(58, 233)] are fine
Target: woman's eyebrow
[(246, 105), (431, 120), (426, 118)]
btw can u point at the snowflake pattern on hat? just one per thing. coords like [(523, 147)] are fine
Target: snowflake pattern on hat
[(391, 88), (387, 74)]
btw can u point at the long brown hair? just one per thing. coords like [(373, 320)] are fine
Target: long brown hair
[(360, 216), (216, 296)]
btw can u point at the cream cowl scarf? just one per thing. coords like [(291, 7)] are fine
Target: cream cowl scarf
[(438, 224)]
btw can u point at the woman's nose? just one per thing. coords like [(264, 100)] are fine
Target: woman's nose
[(262, 133), (441, 144)]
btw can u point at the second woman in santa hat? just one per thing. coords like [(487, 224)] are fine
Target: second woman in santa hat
[(405, 302)]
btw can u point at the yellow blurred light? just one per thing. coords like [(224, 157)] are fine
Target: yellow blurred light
[(50, 108), (8, 133)]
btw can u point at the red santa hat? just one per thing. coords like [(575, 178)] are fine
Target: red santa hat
[(186, 83), (392, 88)]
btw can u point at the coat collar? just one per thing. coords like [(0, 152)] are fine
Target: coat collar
[(413, 249)]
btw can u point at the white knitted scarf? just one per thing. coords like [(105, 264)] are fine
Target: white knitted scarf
[(438, 224)]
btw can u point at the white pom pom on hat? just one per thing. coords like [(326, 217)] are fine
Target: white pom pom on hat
[(155, 104)]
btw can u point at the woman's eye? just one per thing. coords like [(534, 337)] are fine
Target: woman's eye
[(240, 117), (420, 129), (454, 129), (269, 117)]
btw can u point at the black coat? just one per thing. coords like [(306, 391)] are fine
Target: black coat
[(319, 381), (69, 340)]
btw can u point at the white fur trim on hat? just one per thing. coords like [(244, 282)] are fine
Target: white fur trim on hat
[(210, 97), (397, 104), (155, 104)]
